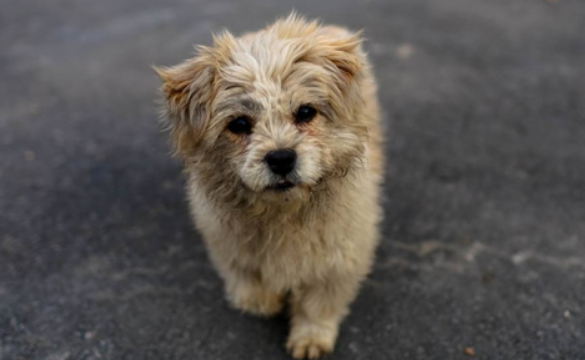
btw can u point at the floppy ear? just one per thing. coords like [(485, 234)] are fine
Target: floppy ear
[(333, 47), (341, 52), (188, 92)]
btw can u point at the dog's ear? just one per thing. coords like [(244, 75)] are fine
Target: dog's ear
[(188, 92), (340, 50), (335, 48)]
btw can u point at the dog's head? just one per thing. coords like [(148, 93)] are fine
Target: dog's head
[(273, 111)]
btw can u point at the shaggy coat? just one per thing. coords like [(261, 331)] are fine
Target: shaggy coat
[(313, 242)]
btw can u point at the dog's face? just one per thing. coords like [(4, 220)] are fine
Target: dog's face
[(275, 111)]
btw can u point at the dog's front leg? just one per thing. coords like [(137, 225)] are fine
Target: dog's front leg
[(246, 291), (317, 311)]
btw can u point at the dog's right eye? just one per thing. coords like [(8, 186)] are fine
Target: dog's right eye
[(305, 114), (240, 125)]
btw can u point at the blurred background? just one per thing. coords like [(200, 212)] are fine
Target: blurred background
[(483, 252)]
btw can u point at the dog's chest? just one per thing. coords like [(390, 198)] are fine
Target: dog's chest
[(287, 258)]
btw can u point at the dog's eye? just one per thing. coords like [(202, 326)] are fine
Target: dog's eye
[(305, 113), (240, 125)]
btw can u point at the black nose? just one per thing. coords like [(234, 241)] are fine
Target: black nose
[(281, 162)]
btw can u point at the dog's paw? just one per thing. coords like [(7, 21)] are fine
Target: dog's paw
[(309, 348), (310, 341), (256, 301)]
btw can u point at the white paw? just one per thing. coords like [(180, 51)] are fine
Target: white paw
[(310, 341)]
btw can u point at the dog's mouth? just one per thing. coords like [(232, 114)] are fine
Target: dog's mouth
[(281, 186)]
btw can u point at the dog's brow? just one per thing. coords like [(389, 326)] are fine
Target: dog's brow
[(240, 105), (251, 105)]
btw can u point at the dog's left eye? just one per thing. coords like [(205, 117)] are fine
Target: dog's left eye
[(305, 113), (240, 125)]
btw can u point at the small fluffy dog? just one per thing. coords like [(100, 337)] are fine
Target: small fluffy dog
[(280, 134)]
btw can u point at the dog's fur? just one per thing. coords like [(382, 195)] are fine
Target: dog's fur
[(314, 243)]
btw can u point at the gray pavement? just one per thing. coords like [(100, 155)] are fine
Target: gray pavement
[(484, 236)]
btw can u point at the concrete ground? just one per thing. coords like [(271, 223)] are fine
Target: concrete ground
[(484, 236)]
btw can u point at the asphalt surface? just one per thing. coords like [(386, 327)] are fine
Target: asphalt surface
[(484, 236)]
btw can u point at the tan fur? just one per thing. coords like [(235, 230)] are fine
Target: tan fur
[(314, 243)]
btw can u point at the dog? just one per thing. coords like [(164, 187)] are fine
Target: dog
[(281, 139)]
